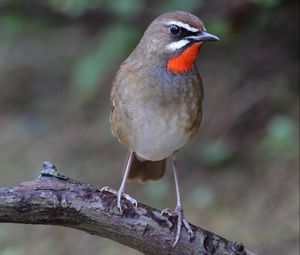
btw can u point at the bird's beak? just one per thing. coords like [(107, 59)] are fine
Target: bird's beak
[(203, 37)]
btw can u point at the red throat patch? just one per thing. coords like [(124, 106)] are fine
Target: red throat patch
[(184, 61)]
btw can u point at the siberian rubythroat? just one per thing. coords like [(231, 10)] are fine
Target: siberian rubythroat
[(156, 100)]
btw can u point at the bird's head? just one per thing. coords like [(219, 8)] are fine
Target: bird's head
[(176, 37)]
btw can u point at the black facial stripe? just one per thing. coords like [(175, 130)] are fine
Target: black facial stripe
[(186, 33), (183, 33)]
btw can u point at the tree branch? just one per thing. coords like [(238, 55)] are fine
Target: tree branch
[(53, 199)]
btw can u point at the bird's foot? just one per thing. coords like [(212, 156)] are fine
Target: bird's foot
[(178, 213), (119, 194)]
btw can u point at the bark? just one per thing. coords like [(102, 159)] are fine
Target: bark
[(53, 199)]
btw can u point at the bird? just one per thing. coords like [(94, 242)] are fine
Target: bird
[(156, 102)]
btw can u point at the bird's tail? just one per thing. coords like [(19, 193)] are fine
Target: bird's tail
[(147, 170)]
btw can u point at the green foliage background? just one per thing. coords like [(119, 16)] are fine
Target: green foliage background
[(239, 177)]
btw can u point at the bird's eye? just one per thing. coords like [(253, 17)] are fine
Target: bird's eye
[(174, 29)]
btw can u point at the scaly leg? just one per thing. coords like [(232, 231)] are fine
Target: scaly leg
[(121, 192), (179, 209)]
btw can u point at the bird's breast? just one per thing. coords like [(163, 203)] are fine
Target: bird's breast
[(154, 118), (161, 130)]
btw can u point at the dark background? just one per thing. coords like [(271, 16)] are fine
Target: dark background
[(239, 177)]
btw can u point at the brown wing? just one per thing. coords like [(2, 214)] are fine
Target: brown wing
[(196, 112), (112, 93)]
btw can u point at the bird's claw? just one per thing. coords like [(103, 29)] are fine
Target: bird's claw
[(167, 212), (130, 199), (178, 213), (124, 195)]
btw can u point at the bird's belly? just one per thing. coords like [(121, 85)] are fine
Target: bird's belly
[(160, 133)]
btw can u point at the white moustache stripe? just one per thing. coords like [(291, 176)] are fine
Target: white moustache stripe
[(177, 45), (184, 25)]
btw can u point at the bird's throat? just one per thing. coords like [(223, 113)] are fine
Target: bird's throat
[(185, 60)]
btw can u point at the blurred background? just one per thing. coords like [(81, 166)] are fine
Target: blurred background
[(239, 177)]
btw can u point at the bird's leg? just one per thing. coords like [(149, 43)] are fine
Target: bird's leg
[(122, 187), (121, 192), (179, 209)]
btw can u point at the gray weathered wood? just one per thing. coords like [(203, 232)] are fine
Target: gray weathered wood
[(53, 199)]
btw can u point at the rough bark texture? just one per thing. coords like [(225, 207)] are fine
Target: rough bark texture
[(53, 199)]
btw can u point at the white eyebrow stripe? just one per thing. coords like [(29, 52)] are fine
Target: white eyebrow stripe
[(184, 25), (177, 45)]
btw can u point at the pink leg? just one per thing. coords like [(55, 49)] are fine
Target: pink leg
[(121, 192), (123, 184), (179, 209)]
